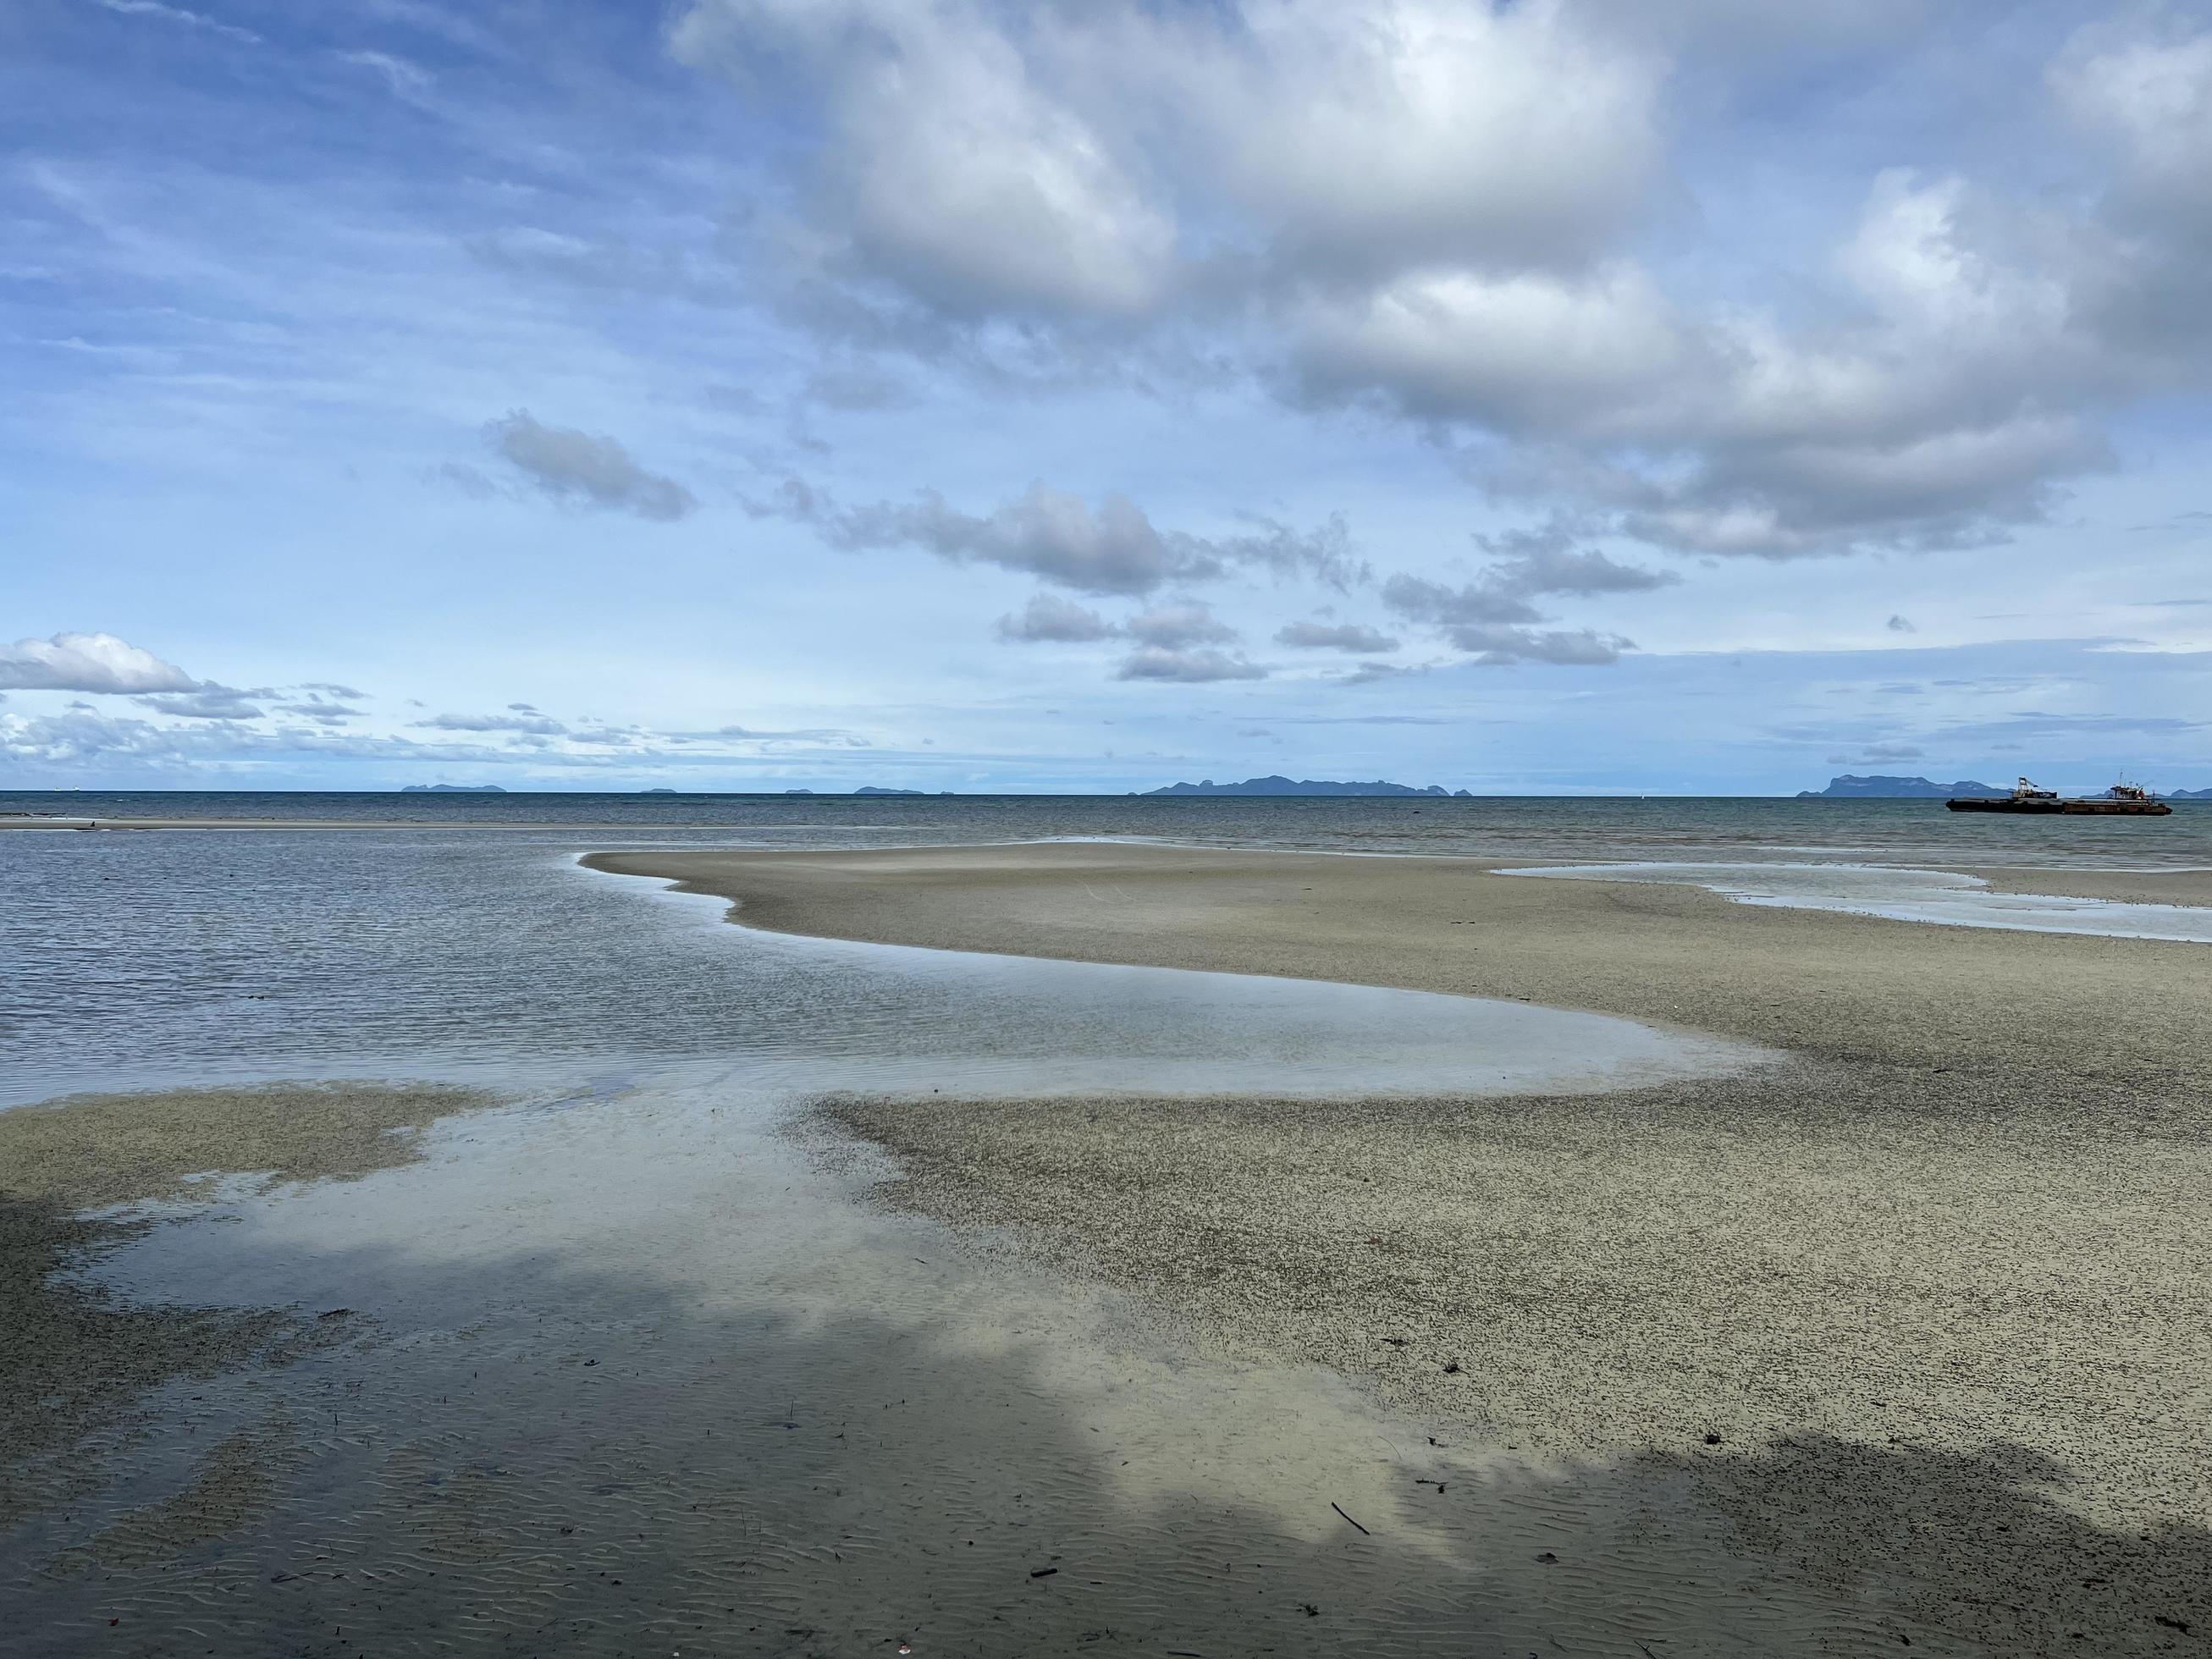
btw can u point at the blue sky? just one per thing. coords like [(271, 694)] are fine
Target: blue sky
[(941, 394)]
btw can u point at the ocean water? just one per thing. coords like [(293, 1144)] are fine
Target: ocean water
[(1528, 830), (156, 959)]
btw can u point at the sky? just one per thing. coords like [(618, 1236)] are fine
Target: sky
[(1552, 397)]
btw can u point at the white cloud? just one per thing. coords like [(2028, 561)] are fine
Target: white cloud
[(1047, 533), (1519, 350), (179, 15), (1047, 618), (586, 468), (1186, 667), (1112, 549), (1492, 617), (534, 724), (87, 662), (1336, 636), (947, 169), (1435, 207), (1413, 132), (2152, 93), (1174, 626), (214, 702)]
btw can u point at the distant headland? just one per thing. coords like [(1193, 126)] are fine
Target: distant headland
[(1847, 788), (1276, 784), (451, 789)]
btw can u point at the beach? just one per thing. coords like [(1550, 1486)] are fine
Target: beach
[(1926, 1306), (412, 1240)]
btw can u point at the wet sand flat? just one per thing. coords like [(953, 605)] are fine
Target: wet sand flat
[(623, 1375), (1928, 1309), (72, 1360)]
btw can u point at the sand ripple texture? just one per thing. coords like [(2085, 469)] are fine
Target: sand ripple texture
[(667, 1392)]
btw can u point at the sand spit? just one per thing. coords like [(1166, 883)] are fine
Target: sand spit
[(72, 1362), (1928, 1313), (2029, 1007), (2120, 886)]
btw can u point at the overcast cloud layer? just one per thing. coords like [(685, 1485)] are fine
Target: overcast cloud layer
[(965, 393)]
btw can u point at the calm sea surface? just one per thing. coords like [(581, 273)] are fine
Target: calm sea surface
[(155, 959), (1532, 829)]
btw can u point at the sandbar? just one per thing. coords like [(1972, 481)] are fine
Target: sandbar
[(1927, 1310)]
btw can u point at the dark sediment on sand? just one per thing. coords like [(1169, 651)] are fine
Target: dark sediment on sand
[(73, 1362)]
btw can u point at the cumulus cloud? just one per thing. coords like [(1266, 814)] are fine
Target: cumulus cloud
[(532, 724), (214, 702), (1166, 636), (1336, 636), (1493, 617), (1367, 673), (1193, 668), (323, 713), (1930, 411), (87, 662), (748, 734), (1419, 132), (1112, 549), (951, 167), (983, 159), (585, 469), (1174, 626), (84, 738), (1493, 644), (1435, 209), (1047, 618)]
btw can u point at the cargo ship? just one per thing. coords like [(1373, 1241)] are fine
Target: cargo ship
[(2121, 800)]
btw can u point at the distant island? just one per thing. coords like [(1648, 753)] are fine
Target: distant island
[(656, 792), (451, 789), (870, 789), (1278, 785), (1854, 788)]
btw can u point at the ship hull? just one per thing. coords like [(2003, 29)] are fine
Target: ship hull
[(2103, 809)]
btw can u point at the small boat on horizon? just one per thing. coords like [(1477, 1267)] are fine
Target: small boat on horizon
[(2121, 800)]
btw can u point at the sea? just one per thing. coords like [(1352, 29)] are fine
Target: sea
[(1537, 830)]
